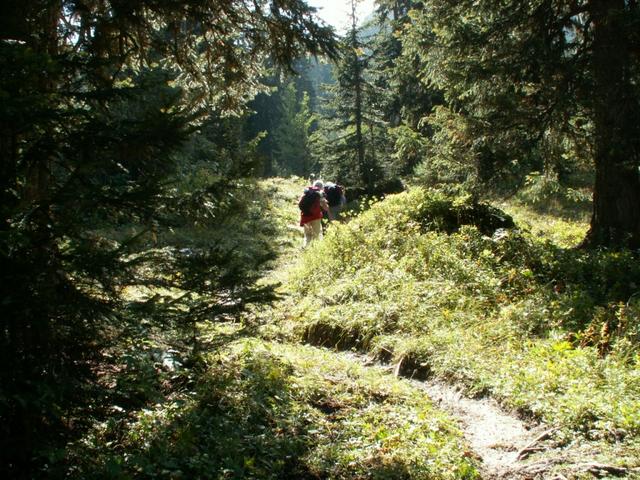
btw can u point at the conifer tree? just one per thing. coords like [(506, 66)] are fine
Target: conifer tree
[(401, 98), (101, 102), (279, 117), (350, 142), (518, 73), (291, 136)]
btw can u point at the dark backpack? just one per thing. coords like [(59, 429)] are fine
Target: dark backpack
[(334, 195), (307, 200)]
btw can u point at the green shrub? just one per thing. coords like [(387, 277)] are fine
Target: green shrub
[(423, 279), (268, 411)]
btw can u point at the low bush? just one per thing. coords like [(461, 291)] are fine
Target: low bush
[(425, 280), (269, 411)]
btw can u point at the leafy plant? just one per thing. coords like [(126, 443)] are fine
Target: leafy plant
[(498, 309)]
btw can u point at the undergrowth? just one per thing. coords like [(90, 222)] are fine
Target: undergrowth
[(269, 411), (550, 331), (220, 403), (440, 287)]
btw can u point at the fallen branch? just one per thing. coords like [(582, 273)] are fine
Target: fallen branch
[(533, 446), (540, 468), (396, 371), (599, 469)]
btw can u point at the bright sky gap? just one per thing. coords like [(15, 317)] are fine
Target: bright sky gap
[(336, 12)]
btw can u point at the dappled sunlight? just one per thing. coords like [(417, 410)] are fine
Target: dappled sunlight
[(510, 315)]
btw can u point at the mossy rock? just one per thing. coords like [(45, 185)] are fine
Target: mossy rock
[(448, 216)]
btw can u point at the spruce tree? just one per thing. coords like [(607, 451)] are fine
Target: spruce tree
[(291, 136), (516, 74), (282, 117), (402, 100), (350, 142), (101, 103)]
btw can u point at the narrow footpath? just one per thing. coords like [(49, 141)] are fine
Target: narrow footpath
[(500, 440)]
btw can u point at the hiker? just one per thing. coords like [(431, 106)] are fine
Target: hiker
[(335, 198), (312, 205)]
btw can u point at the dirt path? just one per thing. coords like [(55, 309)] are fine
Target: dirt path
[(503, 442), (497, 437)]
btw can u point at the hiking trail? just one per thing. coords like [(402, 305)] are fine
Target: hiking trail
[(497, 437), (500, 440), (506, 446)]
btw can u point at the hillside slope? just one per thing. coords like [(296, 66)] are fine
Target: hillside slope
[(421, 282), (241, 406)]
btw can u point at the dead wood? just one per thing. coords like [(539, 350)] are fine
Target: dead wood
[(396, 371), (601, 469), (533, 446)]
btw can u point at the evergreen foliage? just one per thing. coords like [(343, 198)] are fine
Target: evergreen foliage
[(131, 219), (528, 84), (109, 111), (284, 118), (401, 98), (291, 136), (350, 144)]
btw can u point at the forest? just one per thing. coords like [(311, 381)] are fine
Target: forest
[(473, 314)]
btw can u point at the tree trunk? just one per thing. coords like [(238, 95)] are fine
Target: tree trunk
[(8, 162), (357, 78), (28, 356), (615, 221), (359, 139)]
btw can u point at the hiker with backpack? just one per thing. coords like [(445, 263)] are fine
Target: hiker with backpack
[(335, 198), (312, 204)]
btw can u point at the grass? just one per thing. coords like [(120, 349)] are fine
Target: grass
[(419, 280), (245, 407), (269, 411), (550, 331), (562, 231)]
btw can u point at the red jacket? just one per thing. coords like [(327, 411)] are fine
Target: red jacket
[(315, 212)]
